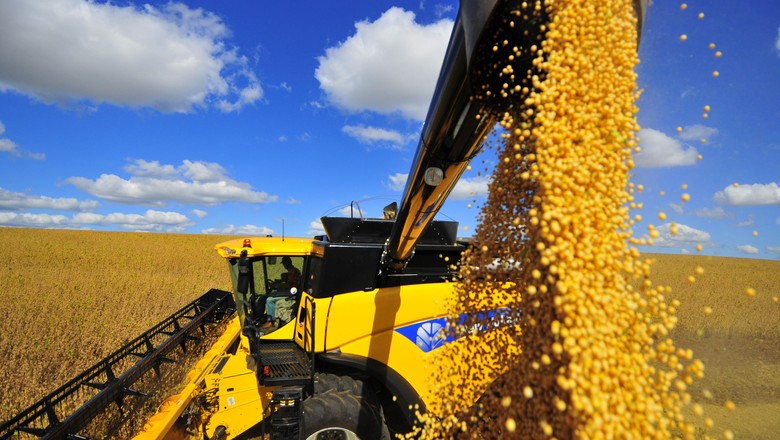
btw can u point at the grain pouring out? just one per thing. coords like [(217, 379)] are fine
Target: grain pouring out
[(595, 358)]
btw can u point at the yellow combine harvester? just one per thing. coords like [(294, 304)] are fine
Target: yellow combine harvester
[(363, 306), (334, 334)]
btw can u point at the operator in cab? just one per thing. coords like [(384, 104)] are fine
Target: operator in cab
[(290, 282)]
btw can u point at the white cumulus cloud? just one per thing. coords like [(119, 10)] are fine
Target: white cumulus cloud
[(376, 136), (697, 132), (685, 236), (257, 231), (157, 184), (469, 188), (777, 42), (33, 220), (172, 58), (389, 65), (748, 249), (153, 168), (677, 208), (661, 151), (750, 194), (750, 221), (713, 213), (10, 147), (151, 220), (397, 181), (465, 189), (316, 228), (16, 201)]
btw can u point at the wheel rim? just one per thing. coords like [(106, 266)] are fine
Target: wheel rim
[(333, 434)]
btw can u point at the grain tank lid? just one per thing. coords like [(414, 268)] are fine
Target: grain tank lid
[(376, 231)]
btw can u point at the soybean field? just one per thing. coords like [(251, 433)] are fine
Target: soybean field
[(69, 298)]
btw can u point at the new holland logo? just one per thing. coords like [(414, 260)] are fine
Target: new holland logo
[(427, 335), (432, 334)]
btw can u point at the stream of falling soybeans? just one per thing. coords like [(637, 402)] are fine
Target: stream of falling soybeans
[(580, 353)]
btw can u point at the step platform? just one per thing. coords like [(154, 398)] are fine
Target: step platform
[(284, 364)]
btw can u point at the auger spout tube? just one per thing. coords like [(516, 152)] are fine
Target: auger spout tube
[(451, 135), (460, 115)]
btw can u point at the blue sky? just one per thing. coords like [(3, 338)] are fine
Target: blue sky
[(244, 118)]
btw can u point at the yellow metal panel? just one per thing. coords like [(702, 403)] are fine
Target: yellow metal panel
[(366, 323), (266, 246), (241, 400), (321, 306), (355, 315), (161, 423), (363, 323), (284, 332), (398, 353)]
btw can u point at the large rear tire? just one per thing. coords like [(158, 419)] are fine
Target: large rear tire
[(326, 381), (340, 415)]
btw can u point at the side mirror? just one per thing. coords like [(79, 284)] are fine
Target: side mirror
[(244, 273)]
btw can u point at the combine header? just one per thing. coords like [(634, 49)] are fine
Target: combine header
[(114, 381)]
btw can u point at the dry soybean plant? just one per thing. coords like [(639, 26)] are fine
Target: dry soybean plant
[(69, 298)]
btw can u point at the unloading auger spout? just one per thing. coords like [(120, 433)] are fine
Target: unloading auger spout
[(464, 108)]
